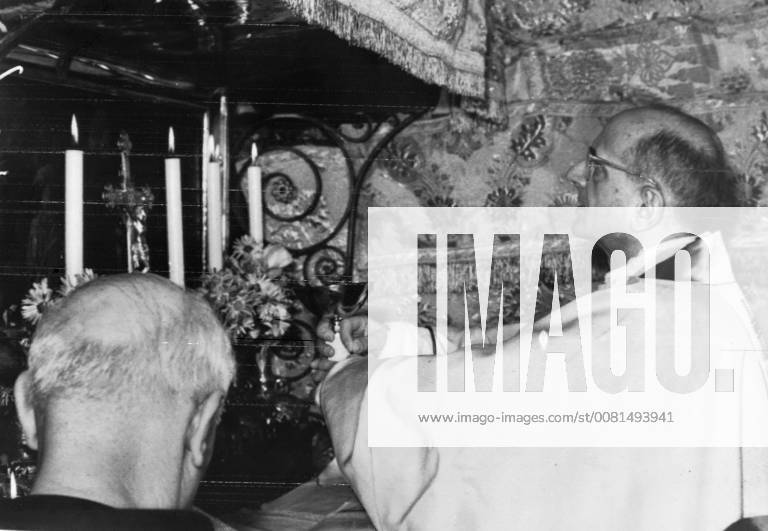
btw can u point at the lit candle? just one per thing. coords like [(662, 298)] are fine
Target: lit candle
[(73, 207), (224, 165), (14, 489), (204, 185), (173, 211), (215, 251), (255, 214)]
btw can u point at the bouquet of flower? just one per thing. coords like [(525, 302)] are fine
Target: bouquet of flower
[(247, 293), (40, 296), (17, 322)]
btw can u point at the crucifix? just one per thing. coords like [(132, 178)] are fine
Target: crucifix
[(134, 204)]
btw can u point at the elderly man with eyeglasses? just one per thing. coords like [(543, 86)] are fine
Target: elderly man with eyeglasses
[(655, 156), (644, 157)]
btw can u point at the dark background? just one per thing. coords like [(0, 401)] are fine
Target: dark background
[(139, 67)]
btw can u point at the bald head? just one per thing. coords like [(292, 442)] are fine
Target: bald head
[(677, 151), (123, 335), (628, 127)]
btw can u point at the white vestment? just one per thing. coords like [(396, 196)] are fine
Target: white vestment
[(557, 488)]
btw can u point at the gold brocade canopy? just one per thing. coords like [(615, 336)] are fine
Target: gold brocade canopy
[(498, 51), (442, 42), (506, 51), (187, 51)]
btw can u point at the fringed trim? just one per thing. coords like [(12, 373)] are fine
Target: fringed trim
[(374, 35)]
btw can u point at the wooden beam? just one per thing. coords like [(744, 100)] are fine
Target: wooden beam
[(9, 42), (35, 73)]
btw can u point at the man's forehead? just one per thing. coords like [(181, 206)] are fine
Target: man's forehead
[(626, 128)]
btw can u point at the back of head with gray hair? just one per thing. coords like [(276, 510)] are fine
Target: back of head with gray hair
[(128, 335)]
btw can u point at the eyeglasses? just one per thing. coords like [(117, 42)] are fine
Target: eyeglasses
[(596, 163)]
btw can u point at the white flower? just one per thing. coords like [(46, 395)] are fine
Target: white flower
[(269, 289), (278, 328), (69, 284), (267, 311), (246, 247), (277, 257), (276, 317), (38, 298)]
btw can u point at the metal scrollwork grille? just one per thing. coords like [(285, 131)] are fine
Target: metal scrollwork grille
[(313, 177)]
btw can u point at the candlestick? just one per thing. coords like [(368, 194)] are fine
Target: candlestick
[(255, 213), (215, 251), (173, 210), (73, 207)]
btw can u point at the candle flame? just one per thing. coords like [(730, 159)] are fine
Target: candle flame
[(171, 141), (217, 153), (74, 130), (254, 153)]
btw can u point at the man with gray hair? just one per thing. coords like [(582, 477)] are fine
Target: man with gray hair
[(126, 382)]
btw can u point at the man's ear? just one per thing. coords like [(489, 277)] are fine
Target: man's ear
[(651, 194), (577, 174), (201, 430), (22, 396)]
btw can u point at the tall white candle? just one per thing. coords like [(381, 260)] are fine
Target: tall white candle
[(215, 251), (73, 207), (173, 211), (255, 213), (224, 162), (204, 184), (14, 489)]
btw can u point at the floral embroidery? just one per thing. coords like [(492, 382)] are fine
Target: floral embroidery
[(530, 145), (508, 186), (435, 188), (464, 136), (755, 168), (565, 199), (401, 159), (735, 82), (579, 75), (440, 201), (504, 196), (760, 131), (651, 61)]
